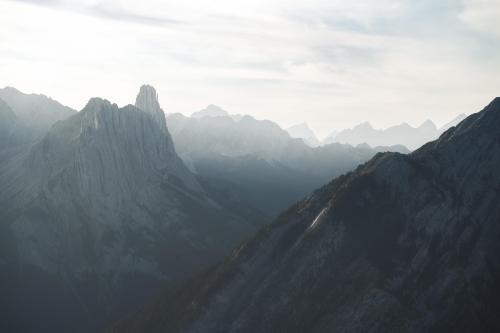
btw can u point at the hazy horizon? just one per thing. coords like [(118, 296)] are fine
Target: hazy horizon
[(327, 63)]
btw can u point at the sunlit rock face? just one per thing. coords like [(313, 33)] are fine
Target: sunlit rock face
[(405, 243), (98, 214), (147, 101)]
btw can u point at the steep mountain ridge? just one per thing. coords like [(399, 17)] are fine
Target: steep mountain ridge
[(405, 243), (100, 213), (34, 111)]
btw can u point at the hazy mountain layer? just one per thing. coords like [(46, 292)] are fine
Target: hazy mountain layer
[(210, 111), (406, 243), (35, 112), (302, 131), (8, 124), (259, 160), (404, 134)]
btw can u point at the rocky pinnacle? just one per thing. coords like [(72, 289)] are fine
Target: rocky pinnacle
[(147, 101)]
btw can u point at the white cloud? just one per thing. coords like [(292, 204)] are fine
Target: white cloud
[(330, 63), (482, 15)]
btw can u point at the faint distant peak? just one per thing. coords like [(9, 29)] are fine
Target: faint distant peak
[(304, 132), (11, 89), (364, 125), (98, 103), (363, 145), (303, 127), (428, 125), (300, 125), (331, 138), (147, 101), (210, 111), (454, 122)]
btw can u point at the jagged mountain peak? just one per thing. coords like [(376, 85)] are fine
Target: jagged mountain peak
[(97, 103), (210, 111), (364, 125), (304, 132), (147, 101), (484, 123), (428, 125)]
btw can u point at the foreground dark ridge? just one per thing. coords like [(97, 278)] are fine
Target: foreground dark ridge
[(405, 243)]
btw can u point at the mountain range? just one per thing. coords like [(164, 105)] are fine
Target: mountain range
[(364, 133), (267, 167), (102, 209), (35, 111), (403, 134), (405, 243), (99, 213)]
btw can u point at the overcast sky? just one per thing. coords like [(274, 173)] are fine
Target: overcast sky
[(329, 63)]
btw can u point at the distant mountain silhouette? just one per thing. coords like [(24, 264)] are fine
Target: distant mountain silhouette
[(302, 131), (259, 160), (210, 111), (36, 112), (403, 134)]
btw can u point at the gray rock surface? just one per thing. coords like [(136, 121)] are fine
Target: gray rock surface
[(147, 101), (8, 122), (99, 214), (405, 243)]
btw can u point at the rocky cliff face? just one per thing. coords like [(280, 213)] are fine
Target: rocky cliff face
[(99, 214), (13, 134), (7, 125), (406, 243), (147, 101)]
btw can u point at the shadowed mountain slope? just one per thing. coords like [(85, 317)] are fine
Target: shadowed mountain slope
[(405, 243)]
